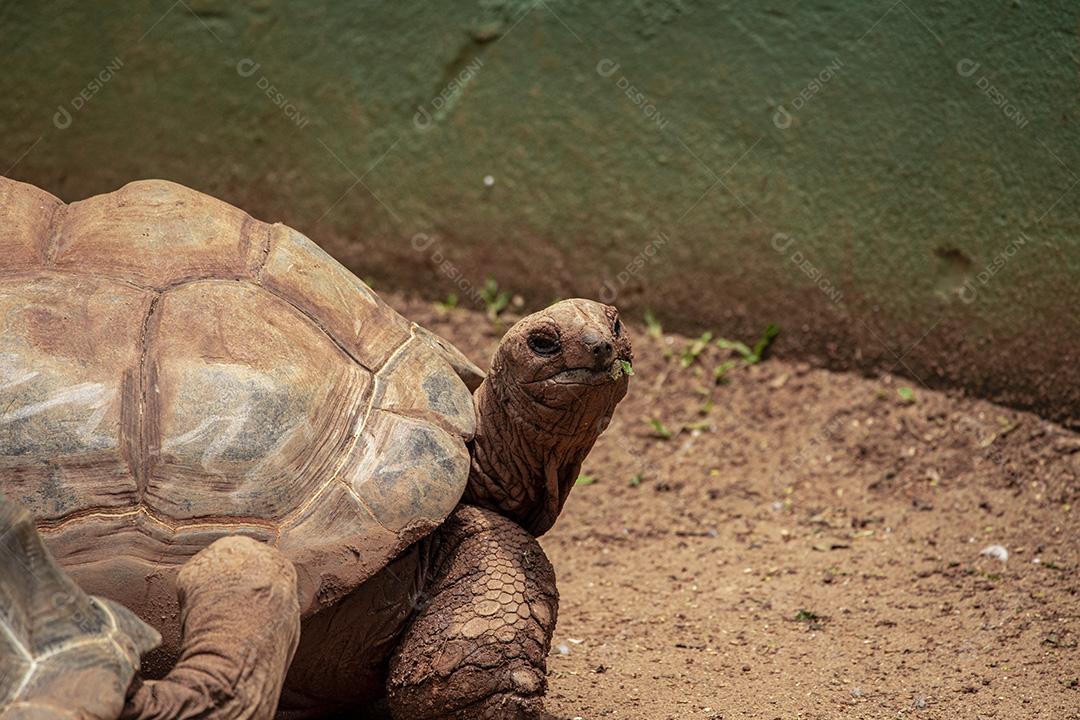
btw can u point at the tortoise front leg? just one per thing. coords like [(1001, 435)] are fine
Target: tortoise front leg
[(240, 616), (478, 648)]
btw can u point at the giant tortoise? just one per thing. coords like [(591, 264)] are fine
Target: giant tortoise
[(174, 372)]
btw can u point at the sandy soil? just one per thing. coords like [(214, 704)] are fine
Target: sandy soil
[(807, 544)]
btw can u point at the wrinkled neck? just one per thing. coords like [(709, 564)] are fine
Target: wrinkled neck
[(526, 456)]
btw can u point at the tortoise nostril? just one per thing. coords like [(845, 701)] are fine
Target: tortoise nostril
[(601, 349)]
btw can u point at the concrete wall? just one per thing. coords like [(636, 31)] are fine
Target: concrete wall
[(895, 183)]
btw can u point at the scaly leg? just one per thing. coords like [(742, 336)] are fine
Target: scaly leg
[(478, 648)]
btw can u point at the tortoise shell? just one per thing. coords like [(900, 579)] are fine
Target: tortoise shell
[(172, 371)]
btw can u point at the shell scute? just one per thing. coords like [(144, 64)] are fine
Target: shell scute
[(302, 273), (155, 233)]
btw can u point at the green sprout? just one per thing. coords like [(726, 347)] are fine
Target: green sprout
[(720, 371), (694, 349), (751, 356), (636, 480), (771, 331), (739, 347), (906, 394), (807, 616), (652, 325), (449, 304), (660, 430), (494, 299)]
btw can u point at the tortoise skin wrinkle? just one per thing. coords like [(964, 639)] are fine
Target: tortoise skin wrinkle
[(177, 377)]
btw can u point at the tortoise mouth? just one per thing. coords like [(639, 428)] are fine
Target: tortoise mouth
[(588, 375), (582, 376)]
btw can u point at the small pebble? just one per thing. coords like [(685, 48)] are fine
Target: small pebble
[(997, 552)]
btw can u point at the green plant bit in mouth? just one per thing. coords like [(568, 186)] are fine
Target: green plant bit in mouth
[(623, 367)]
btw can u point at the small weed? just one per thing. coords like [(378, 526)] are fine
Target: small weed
[(694, 349), (585, 479), (812, 619), (635, 481), (652, 325), (495, 300), (906, 394), (739, 347), (751, 356), (771, 331), (720, 371), (660, 430), (449, 304), (1055, 641)]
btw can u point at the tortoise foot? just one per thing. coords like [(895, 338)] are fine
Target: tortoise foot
[(502, 706), (241, 623), (478, 648)]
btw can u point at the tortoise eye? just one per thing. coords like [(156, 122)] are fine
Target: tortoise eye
[(617, 327), (544, 345)]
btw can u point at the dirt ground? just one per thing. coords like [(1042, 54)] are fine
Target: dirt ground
[(796, 543)]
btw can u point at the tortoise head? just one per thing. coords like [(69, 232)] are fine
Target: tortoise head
[(555, 380)]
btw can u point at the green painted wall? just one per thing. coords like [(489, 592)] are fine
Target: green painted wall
[(895, 183)]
